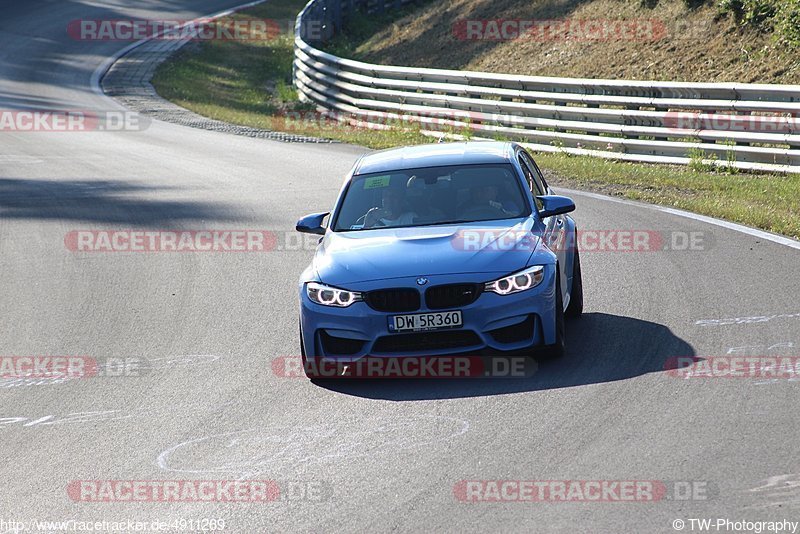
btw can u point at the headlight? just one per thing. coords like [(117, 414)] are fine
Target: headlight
[(514, 283), (332, 296)]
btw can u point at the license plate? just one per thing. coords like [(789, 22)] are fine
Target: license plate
[(425, 321)]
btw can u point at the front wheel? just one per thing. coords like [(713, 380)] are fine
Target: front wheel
[(306, 368), (556, 350), (575, 307)]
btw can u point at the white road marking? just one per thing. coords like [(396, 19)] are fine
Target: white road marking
[(746, 320), (167, 362), (781, 491), (248, 453), (756, 349), (761, 234)]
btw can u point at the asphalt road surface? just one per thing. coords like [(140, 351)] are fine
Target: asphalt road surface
[(371, 456)]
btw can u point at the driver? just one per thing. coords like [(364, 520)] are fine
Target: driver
[(485, 196), (392, 213)]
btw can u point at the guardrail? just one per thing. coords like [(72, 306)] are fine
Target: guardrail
[(745, 126)]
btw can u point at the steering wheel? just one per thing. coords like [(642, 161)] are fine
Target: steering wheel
[(363, 219)]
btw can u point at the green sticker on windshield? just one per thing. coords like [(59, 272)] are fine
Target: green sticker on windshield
[(376, 182)]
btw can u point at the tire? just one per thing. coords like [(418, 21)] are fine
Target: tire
[(556, 350), (575, 307), (306, 368)]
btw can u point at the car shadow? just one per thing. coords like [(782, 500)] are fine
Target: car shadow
[(600, 348), (105, 201)]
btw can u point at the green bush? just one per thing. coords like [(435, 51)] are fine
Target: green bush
[(779, 16), (732, 7), (750, 12), (788, 25)]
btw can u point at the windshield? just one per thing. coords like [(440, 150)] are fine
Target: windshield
[(431, 196)]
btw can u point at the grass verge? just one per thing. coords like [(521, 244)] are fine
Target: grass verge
[(249, 83), (766, 201)]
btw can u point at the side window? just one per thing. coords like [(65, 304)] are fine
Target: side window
[(528, 176), (533, 184), (537, 175)]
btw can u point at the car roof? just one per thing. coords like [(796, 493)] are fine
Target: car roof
[(435, 155)]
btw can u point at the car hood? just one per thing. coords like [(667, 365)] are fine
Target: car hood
[(486, 247)]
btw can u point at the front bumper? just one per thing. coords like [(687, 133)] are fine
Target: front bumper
[(506, 323)]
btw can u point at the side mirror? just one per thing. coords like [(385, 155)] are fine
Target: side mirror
[(555, 205), (312, 224)]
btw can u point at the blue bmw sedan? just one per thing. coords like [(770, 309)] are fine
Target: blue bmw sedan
[(437, 250)]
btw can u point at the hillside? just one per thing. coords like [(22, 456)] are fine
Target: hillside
[(734, 40), (247, 83)]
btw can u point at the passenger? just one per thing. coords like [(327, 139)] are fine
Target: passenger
[(485, 196)]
